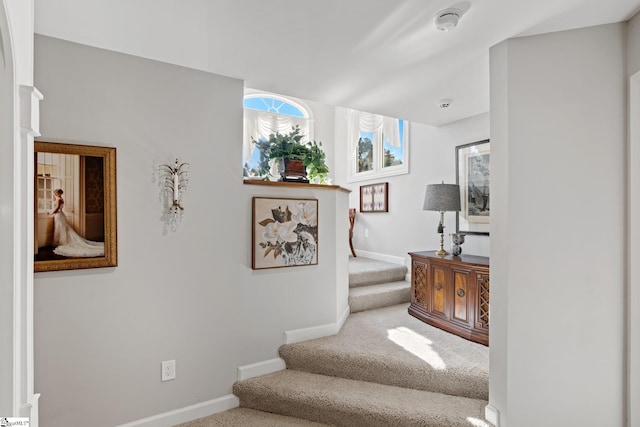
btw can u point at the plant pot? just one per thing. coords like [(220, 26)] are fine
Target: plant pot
[(292, 170)]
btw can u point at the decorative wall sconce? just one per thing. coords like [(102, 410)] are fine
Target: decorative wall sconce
[(173, 183)]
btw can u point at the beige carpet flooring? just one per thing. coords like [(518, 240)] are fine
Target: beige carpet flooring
[(388, 346), (379, 295), (366, 271), (344, 402), (384, 368)]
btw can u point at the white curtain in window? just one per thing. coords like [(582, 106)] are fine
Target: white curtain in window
[(353, 131), (391, 129), (260, 123), (370, 122), (366, 122)]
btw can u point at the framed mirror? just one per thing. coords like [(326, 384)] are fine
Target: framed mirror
[(75, 207)]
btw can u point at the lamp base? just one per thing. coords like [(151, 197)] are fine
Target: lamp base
[(442, 252)]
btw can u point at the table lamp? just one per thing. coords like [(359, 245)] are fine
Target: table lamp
[(442, 198)]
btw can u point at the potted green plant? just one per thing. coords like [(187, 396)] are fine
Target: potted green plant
[(296, 160)]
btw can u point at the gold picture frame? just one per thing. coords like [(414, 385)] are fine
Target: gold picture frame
[(86, 217)]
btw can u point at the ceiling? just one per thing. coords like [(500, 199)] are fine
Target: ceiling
[(379, 56)]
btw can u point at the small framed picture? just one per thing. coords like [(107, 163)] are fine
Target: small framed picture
[(473, 168), (374, 197)]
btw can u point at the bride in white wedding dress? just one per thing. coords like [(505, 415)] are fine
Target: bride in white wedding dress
[(67, 242)]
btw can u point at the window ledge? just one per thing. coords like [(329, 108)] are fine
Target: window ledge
[(295, 185)]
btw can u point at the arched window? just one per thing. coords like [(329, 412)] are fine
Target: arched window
[(266, 114)]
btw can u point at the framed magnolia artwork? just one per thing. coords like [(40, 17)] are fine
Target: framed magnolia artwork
[(74, 206), (284, 232)]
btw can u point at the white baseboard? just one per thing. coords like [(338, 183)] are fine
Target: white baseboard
[(305, 334), (188, 413), (261, 368), (382, 257), (278, 364), (31, 410), (492, 415), (289, 337), (343, 317)]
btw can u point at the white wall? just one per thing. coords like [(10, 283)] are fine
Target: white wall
[(190, 295), (324, 124), (499, 327), (558, 255), (407, 227), (633, 71), (633, 52)]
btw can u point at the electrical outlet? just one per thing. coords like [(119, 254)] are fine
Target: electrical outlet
[(366, 232), (168, 370)]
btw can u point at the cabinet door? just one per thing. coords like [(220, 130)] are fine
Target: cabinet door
[(439, 289), (482, 307), (461, 297), (419, 284)]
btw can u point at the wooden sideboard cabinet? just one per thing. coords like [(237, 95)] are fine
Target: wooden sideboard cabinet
[(451, 293)]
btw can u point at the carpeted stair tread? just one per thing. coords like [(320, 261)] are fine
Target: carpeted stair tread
[(380, 295), (366, 271), (388, 346), (246, 417), (345, 402)]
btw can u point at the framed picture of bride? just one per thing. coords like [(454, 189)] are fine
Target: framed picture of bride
[(74, 206)]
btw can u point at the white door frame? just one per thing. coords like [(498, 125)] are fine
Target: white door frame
[(7, 128), (19, 115), (633, 254)]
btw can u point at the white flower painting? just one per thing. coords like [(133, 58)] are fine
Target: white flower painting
[(285, 232)]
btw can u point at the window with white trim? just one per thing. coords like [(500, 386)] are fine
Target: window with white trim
[(266, 114), (379, 146)]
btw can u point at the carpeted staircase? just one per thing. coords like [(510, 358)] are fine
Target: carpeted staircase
[(375, 284), (384, 368)]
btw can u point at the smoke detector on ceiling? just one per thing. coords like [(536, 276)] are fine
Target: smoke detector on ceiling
[(447, 19), (445, 103)]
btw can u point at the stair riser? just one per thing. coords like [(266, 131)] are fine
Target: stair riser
[(334, 412), (366, 279), (370, 302)]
